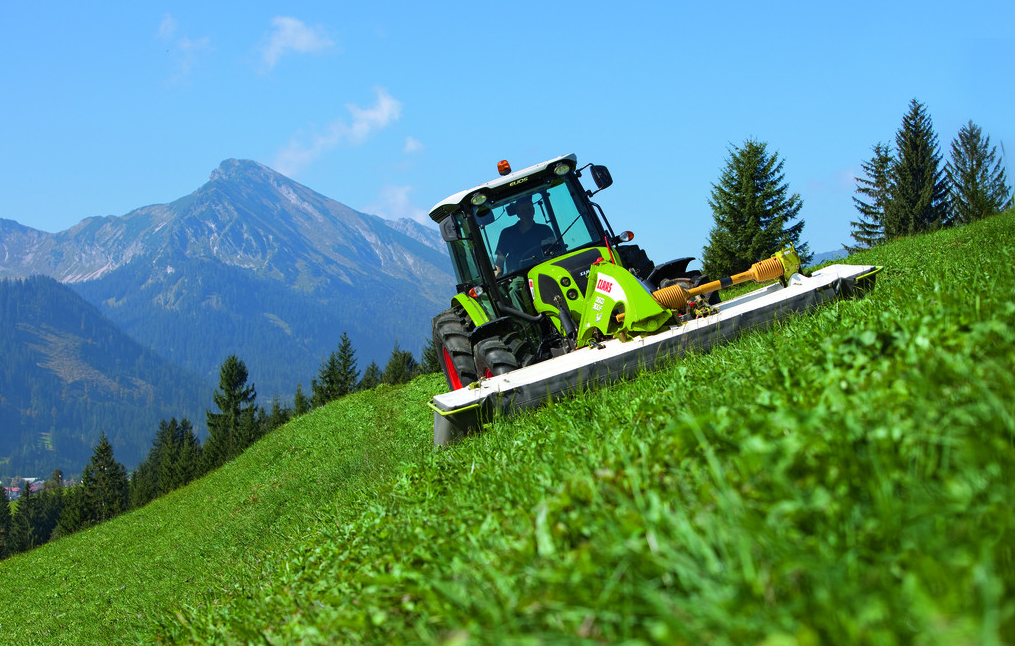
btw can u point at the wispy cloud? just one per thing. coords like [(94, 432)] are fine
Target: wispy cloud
[(185, 51), (394, 203), (303, 149), (293, 35), (412, 145)]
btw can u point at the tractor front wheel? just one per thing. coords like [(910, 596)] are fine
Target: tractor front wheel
[(497, 355), (454, 350)]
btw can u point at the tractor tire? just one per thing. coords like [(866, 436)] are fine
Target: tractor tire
[(498, 355), (454, 350)]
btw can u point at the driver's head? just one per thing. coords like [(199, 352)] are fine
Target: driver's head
[(524, 208)]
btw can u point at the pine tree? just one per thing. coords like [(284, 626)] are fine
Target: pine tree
[(104, 484), (75, 514), (371, 377), (5, 523), (23, 536), (50, 506), (279, 415), (301, 404), (428, 363), (400, 367), (919, 189), (976, 176), (869, 229), (752, 211), (338, 374), (227, 430)]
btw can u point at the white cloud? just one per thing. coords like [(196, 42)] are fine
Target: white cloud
[(412, 145), (167, 27), (293, 35), (303, 150), (184, 51), (394, 203)]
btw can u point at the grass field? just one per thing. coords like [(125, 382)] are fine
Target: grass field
[(845, 476)]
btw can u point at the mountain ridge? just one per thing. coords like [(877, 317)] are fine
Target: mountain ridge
[(302, 269)]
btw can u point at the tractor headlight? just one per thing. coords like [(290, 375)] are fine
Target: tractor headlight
[(561, 169), (478, 199)]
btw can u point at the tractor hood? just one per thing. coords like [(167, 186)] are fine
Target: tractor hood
[(449, 205)]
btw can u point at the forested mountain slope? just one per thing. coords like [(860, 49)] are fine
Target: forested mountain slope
[(68, 374)]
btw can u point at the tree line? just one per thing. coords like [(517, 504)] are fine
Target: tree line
[(178, 456), (905, 190)]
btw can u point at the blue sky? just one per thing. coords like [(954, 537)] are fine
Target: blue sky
[(390, 107)]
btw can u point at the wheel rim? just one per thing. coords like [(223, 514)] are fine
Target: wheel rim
[(449, 369)]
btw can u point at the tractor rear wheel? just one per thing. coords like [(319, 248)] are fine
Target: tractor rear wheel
[(454, 350), (497, 355)]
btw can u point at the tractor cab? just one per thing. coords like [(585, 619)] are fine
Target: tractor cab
[(501, 232)]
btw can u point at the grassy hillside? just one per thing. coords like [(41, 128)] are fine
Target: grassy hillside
[(843, 477)]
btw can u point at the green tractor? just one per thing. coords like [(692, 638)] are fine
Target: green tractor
[(541, 272)]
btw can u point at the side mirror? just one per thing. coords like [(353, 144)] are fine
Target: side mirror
[(601, 176), (449, 229)]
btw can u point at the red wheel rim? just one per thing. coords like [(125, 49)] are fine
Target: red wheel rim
[(449, 369)]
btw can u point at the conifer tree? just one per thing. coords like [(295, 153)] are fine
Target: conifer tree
[(5, 523), (400, 367), (874, 189), (919, 189), (976, 176), (50, 506), (428, 363), (338, 374), (23, 536), (279, 415), (301, 404), (104, 485), (73, 516), (753, 212), (228, 429), (371, 377)]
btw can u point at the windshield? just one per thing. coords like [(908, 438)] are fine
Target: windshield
[(528, 228)]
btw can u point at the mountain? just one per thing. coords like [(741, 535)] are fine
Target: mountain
[(252, 264), (68, 374)]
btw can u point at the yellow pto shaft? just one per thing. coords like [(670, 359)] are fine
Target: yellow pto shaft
[(782, 265)]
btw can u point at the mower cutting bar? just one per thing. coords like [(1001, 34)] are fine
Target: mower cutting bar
[(456, 412)]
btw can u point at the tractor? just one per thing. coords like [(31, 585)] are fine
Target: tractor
[(541, 273)]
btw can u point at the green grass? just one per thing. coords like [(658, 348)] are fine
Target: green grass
[(845, 476)]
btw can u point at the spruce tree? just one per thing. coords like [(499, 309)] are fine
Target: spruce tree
[(874, 189), (5, 523), (371, 377), (227, 429), (753, 211), (919, 189), (50, 506), (976, 176), (428, 363), (400, 367), (23, 535), (338, 374), (279, 415), (104, 484), (301, 404)]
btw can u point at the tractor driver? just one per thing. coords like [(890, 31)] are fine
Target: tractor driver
[(520, 238)]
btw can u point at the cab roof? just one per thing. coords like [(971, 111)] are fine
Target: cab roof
[(450, 204)]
